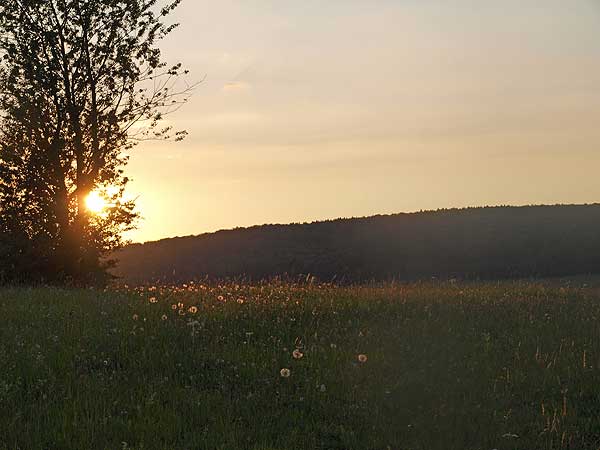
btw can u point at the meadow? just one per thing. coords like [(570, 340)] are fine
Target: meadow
[(279, 366)]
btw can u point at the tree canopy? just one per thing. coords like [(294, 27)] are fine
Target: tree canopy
[(81, 82)]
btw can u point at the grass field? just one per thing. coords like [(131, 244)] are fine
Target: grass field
[(509, 365)]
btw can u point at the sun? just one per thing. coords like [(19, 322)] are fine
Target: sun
[(95, 203)]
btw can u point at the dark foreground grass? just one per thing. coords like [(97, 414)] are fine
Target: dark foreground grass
[(449, 366)]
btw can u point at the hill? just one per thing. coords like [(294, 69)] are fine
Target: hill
[(490, 242)]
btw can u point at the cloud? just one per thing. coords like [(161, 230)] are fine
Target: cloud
[(236, 86)]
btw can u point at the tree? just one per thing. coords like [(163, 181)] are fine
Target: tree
[(81, 83)]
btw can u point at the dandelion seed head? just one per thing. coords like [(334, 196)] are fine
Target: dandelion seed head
[(510, 436), (285, 373)]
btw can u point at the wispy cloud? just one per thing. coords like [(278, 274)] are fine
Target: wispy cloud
[(236, 86)]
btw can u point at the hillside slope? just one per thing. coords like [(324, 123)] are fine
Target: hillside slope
[(493, 242)]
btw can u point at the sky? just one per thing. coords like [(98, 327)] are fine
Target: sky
[(317, 110)]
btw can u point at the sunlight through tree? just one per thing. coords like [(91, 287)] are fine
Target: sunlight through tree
[(81, 82)]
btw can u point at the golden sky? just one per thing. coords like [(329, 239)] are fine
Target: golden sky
[(323, 109)]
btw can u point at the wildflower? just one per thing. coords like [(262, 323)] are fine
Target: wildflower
[(220, 298), (322, 388), (181, 312), (333, 346), (173, 307), (180, 305), (362, 358), (153, 300), (285, 373), (297, 354), (135, 317), (193, 310), (164, 317)]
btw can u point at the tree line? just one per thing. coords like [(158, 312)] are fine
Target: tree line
[(493, 242)]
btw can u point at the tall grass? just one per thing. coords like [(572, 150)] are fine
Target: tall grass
[(288, 366)]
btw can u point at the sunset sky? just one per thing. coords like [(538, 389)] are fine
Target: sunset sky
[(322, 109)]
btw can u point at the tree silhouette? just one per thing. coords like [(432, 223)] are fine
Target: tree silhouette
[(81, 82)]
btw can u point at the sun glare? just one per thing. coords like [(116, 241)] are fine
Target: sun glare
[(95, 203)]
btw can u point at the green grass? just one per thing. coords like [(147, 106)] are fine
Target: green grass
[(450, 366)]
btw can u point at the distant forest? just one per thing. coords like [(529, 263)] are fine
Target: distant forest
[(472, 243)]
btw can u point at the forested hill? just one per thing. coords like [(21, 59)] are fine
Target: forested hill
[(494, 242)]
